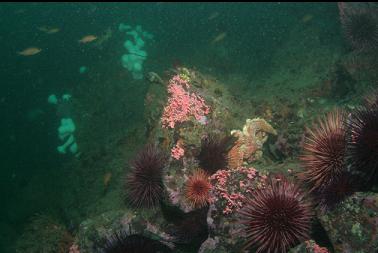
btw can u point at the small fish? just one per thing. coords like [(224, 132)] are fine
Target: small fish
[(30, 51), (306, 18), (107, 179), (48, 30), (87, 39), (213, 15), (219, 37)]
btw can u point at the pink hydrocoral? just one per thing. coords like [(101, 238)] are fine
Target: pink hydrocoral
[(313, 247), (74, 248), (177, 151), (231, 186), (182, 104)]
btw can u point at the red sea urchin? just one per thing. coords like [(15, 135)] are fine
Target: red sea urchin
[(371, 99), (192, 229), (197, 189), (121, 242), (324, 151), (361, 28), (145, 182), (362, 147), (214, 152), (276, 218), (335, 193)]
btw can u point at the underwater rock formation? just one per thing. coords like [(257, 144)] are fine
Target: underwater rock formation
[(230, 188), (353, 225), (44, 234), (309, 246), (94, 232)]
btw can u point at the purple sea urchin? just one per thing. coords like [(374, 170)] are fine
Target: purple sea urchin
[(145, 182), (277, 217)]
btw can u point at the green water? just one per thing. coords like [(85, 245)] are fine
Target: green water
[(266, 52)]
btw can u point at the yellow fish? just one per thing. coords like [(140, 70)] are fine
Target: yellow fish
[(30, 51), (87, 39)]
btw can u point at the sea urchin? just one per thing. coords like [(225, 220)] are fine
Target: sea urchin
[(276, 217), (197, 189), (371, 99), (335, 193), (145, 182), (361, 29), (362, 147), (214, 152), (324, 151), (122, 241)]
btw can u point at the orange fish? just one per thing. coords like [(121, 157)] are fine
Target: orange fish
[(219, 37), (87, 39), (30, 51)]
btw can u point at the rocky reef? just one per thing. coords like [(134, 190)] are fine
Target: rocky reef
[(218, 159)]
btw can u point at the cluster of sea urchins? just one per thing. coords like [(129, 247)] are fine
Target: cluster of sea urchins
[(144, 184), (340, 153), (323, 158), (276, 217)]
